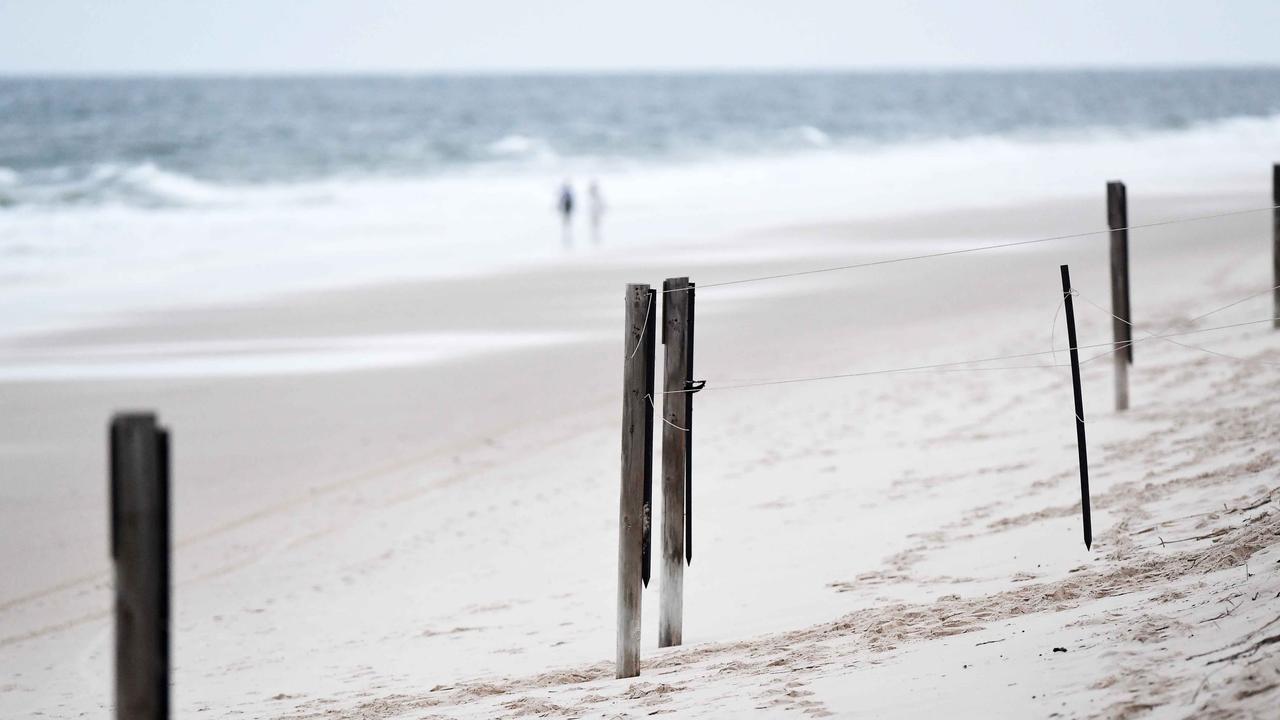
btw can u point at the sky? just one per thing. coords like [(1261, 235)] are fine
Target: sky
[(362, 36)]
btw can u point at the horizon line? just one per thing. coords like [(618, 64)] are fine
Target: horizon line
[(638, 71)]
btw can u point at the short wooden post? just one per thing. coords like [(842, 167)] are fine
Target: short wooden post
[(1275, 243), (139, 487), (637, 439), (1070, 312), (1121, 330), (675, 411)]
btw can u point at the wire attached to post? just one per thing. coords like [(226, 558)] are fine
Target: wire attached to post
[(955, 366), (643, 327), (980, 248), (1188, 346)]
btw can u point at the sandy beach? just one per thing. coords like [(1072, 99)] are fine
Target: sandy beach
[(400, 500)]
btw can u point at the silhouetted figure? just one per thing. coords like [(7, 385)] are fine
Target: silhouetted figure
[(595, 207), (566, 212)]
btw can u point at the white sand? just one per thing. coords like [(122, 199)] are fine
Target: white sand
[(437, 538)]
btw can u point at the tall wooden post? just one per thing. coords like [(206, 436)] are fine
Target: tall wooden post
[(1275, 243), (637, 440), (688, 440), (1121, 330), (675, 410), (651, 332), (1068, 306), (139, 487)]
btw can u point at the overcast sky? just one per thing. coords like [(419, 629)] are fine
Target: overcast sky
[(239, 36)]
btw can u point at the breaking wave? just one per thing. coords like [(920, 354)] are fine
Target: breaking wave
[(140, 185), (149, 185)]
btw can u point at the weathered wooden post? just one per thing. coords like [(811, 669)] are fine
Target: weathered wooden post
[(1275, 243), (1079, 402), (691, 387), (140, 548), (637, 441), (1121, 330), (649, 350), (675, 411)]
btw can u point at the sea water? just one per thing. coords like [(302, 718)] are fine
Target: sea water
[(128, 194)]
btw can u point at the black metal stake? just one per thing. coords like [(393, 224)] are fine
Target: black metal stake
[(1075, 386)]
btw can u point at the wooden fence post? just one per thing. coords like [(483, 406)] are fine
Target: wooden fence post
[(1122, 331), (637, 440), (688, 440), (675, 411), (1086, 515), (649, 350), (139, 486), (1275, 243)]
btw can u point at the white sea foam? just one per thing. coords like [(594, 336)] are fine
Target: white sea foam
[(810, 135), (202, 242), (150, 181), (142, 184), (521, 146)]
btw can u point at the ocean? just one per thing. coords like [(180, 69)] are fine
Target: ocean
[(125, 194)]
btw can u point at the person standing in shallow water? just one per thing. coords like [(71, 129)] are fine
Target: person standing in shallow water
[(595, 200), (565, 205)]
